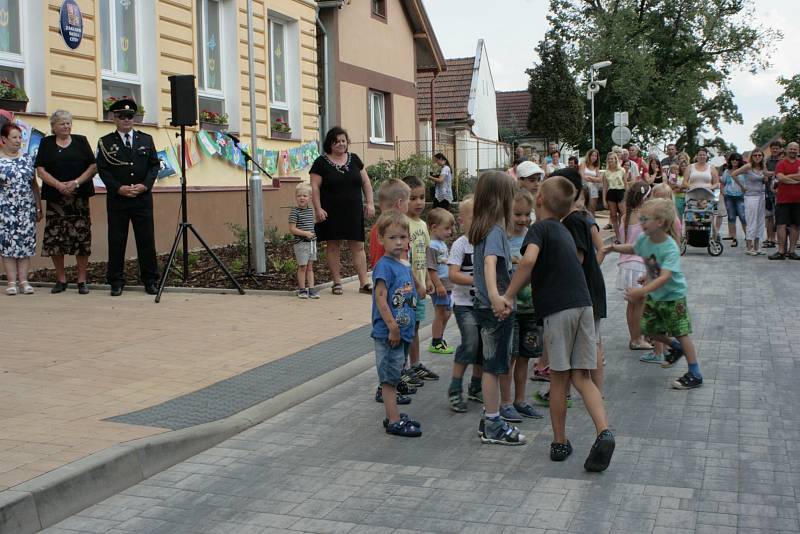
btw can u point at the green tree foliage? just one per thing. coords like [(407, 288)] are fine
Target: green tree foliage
[(556, 102), (765, 130), (672, 61), (789, 105)]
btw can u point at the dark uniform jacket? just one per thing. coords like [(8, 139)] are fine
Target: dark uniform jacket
[(118, 166)]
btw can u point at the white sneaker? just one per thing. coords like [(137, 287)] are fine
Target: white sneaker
[(27, 289), (11, 289)]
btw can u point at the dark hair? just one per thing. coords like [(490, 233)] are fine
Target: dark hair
[(573, 176), (413, 182), (330, 138), (573, 158), (441, 156), (776, 143), (635, 196), (5, 131), (734, 156)]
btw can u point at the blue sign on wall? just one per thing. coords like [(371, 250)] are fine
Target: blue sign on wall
[(71, 24)]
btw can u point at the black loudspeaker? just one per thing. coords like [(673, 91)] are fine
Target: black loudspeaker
[(184, 100)]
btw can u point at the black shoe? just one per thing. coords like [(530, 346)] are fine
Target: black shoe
[(405, 389), (777, 256), (401, 399), (560, 451), (601, 452), (150, 288), (116, 291), (687, 381), (59, 287), (671, 357), (792, 256), (83, 289)]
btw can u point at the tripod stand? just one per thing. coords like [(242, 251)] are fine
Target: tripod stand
[(183, 234), (248, 159)]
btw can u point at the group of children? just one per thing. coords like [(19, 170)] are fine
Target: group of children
[(518, 292)]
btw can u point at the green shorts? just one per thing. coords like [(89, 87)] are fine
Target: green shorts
[(670, 318)]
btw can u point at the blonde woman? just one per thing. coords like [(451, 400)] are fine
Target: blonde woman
[(615, 181), (590, 173)]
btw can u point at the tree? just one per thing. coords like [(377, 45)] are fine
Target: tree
[(671, 61), (789, 105), (556, 103), (765, 130)]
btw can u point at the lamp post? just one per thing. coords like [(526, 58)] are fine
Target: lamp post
[(256, 194), (594, 87)]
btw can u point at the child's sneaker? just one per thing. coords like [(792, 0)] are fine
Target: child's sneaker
[(560, 451), (405, 389), (457, 402), (404, 428), (410, 377), (601, 452), (302, 293), (652, 357), (543, 399), (526, 410), (424, 373), (313, 294), (401, 399), (671, 357), (403, 417), (475, 394), (541, 375), (441, 347), (501, 433), (508, 413), (687, 381)]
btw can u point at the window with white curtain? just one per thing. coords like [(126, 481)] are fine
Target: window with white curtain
[(210, 41), (278, 78), (377, 117), (12, 61), (119, 39)]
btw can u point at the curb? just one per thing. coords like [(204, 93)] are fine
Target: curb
[(52, 497), (205, 290)]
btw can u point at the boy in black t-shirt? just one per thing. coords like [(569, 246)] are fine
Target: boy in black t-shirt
[(561, 297)]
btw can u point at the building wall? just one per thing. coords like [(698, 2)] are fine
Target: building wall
[(485, 105), (73, 78)]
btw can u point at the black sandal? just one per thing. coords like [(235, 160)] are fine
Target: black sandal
[(734, 243), (366, 289), (336, 289)]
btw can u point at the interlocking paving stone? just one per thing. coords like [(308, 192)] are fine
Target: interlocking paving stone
[(721, 459)]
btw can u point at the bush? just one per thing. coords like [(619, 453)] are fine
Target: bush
[(465, 184), (416, 165)]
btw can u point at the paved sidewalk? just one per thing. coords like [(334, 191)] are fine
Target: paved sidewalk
[(720, 459), (70, 361)]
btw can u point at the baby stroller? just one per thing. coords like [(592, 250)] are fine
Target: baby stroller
[(698, 221)]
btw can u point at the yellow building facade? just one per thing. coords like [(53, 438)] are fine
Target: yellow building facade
[(131, 47)]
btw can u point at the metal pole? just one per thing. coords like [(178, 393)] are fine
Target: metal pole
[(256, 214), (591, 82)]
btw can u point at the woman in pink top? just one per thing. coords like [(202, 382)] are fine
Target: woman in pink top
[(630, 268)]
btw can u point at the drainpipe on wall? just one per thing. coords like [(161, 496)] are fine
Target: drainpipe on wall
[(433, 116)]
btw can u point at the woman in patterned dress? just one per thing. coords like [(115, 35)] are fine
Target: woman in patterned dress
[(20, 209), (66, 165)]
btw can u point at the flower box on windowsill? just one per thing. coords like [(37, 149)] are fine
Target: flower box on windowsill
[(275, 134), (137, 119), (213, 126), (17, 106)]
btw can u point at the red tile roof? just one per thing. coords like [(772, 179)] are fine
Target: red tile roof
[(451, 91), (513, 108)]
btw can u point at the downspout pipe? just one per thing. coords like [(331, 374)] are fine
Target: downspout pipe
[(324, 121), (433, 114)]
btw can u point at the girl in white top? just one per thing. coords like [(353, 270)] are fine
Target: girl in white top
[(590, 173)]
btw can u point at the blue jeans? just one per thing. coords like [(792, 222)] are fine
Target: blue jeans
[(735, 207), (496, 339), (389, 360), (470, 350)]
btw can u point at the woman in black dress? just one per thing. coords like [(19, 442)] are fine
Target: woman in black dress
[(66, 165), (338, 180)]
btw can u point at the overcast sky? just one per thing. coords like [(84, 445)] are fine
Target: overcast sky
[(513, 29)]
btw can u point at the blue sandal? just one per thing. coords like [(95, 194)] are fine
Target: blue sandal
[(404, 428), (403, 417)]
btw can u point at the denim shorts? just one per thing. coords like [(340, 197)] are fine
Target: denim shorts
[(735, 208), (496, 340), (527, 336), (389, 361), (421, 305), (447, 300), (470, 350)]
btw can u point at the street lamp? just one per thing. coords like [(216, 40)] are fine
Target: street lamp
[(594, 87)]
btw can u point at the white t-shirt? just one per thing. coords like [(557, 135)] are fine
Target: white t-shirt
[(461, 255)]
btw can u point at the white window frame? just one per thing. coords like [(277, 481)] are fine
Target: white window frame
[(10, 59), (277, 104), (113, 75), (31, 59), (372, 95), (216, 94)]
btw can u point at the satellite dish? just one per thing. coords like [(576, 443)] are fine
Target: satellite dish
[(621, 135)]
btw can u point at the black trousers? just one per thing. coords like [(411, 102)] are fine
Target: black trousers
[(441, 204), (144, 233)]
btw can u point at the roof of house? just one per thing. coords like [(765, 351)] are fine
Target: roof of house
[(451, 90), (513, 108)]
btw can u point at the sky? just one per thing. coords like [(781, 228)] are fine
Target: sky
[(512, 29)]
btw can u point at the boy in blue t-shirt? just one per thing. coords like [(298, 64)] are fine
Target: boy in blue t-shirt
[(666, 316), (394, 303)]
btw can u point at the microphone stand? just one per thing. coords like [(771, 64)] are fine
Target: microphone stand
[(248, 159)]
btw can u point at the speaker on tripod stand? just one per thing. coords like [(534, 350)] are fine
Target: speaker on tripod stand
[(183, 98)]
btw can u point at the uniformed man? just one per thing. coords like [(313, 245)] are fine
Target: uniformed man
[(128, 165)]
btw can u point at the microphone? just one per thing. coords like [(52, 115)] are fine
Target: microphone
[(232, 137)]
